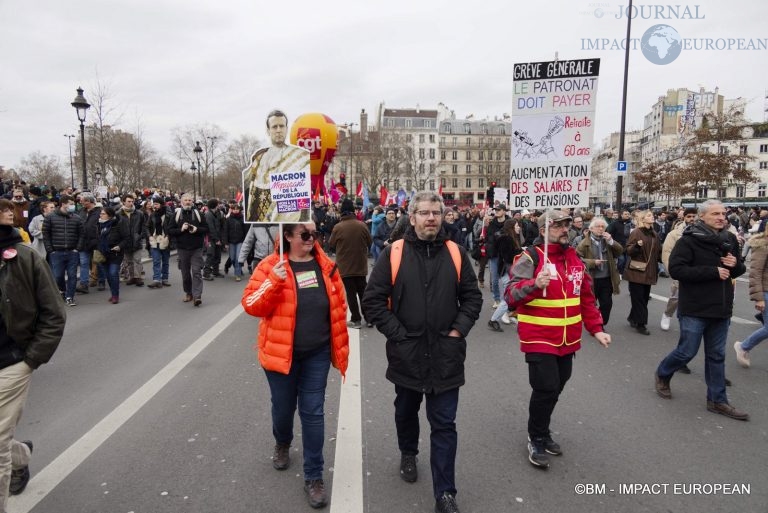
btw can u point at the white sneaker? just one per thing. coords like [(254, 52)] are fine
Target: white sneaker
[(665, 321), (495, 305), (741, 356), (505, 318)]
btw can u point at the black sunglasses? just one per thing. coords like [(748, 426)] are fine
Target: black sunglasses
[(305, 236)]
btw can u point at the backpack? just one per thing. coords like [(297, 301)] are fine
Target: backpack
[(196, 211), (396, 256), (532, 253)]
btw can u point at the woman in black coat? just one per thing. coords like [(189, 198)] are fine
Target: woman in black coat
[(114, 239), (643, 250)]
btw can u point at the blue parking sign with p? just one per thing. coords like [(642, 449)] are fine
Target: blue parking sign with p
[(621, 165)]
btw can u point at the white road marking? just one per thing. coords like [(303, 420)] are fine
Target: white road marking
[(49, 478), (734, 319), (347, 494)]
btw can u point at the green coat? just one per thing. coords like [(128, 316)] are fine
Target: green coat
[(584, 250)]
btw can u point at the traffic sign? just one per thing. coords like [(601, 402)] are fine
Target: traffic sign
[(621, 165)]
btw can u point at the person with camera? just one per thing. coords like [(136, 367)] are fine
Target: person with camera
[(189, 229), (705, 261)]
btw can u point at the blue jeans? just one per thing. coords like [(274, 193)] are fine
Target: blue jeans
[(304, 384), (715, 333), (502, 309), (234, 256), (160, 259), (441, 414), (112, 272), (85, 267), (493, 263), (65, 261), (761, 333)]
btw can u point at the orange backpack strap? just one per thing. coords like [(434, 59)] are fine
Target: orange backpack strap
[(396, 256)]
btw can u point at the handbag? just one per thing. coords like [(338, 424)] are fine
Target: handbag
[(639, 265), (98, 257)]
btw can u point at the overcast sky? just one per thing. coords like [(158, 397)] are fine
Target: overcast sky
[(175, 63)]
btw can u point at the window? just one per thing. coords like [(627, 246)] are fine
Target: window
[(469, 155), (467, 129), (454, 155), (455, 141), (480, 155), (740, 166), (506, 155), (408, 123), (740, 191), (490, 155), (432, 185), (442, 182), (455, 169), (390, 123), (432, 138), (484, 128), (408, 138), (432, 168), (421, 138), (427, 123), (469, 182), (721, 192), (743, 149), (703, 192), (481, 182), (469, 141), (422, 153), (469, 169), (432, 153), (498, 155), (447, 128), (455, 183), (442, 140), (481, 170), (442, 154), (764, 165), (761, 190), (764, 148), (502, 129), (724, 150), (421, 168)]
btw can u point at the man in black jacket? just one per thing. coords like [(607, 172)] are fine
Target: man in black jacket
[(425, 349), (189, 229), (705, 261), (64, 237), (90, 217), (137, 222), (213, 219), (620, 230)]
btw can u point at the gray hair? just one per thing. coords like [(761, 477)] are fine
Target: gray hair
[(187, 195), (424, 196), (707, 205), (597, 219), (87, 198)]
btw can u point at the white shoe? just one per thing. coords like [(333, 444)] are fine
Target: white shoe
[(741, 356), (495, 305), (505, 318), (665, 321)]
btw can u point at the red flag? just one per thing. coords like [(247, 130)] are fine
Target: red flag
[(316, 195), (359, 191), (239, 196), (383, 195), (440, 190)]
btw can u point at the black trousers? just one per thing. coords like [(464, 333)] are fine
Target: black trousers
[(639, 293), (547, 374), (604, 296), (355, 287)]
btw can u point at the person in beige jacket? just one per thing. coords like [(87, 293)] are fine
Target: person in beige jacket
[(758, 292), (689, 217)]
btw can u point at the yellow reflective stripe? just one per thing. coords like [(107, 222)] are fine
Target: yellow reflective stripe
[(548, 321), (544, 342), (552, 303)]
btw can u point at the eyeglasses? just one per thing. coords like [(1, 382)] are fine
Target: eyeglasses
[(18, 197), (305, 236), (428, 213), (561, 224)]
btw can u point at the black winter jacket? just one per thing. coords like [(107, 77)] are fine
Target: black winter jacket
[(187, 240), (694, 262), (234, 230), (137, 226), (427, 303), (91, 227), (491, 236), (63, 232)]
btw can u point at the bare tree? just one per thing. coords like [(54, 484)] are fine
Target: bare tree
[(210, 136), (41, 169)]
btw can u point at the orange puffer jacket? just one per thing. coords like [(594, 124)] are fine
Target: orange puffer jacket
[(274, 300)]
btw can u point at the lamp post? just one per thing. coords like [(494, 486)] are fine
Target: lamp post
[(620, 178), (71, 166), (198, 150), (194, 191), (81, 106), (213, 172), (351, 176)]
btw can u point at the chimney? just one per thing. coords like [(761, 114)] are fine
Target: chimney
[(363, 125)]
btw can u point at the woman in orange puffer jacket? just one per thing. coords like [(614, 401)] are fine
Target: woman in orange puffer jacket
[(303, 330)]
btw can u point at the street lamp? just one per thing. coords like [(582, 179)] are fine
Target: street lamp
[(81, 106), (97, 175), (71, 166), (198, 150), (351, 152), (194, 191), (213, 172)]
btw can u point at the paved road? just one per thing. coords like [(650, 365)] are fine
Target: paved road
[(155, 406)]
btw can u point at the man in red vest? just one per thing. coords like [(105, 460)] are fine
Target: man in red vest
[(552, 295)]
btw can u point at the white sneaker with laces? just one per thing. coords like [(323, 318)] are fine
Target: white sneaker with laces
[(741, 356), (505, 318), (665, 321), (495, 305)]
